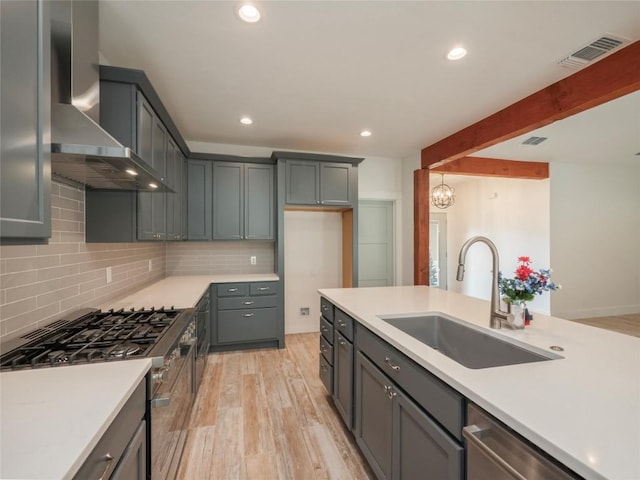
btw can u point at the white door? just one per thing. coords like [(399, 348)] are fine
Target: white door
[(375, 243)]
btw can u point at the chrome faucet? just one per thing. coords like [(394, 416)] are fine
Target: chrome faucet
[(498, 317)]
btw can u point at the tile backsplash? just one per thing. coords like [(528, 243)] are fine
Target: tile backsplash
[(202, 258), (40, 283)]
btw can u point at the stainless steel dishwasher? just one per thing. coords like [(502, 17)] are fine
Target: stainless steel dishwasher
[(496, 453)]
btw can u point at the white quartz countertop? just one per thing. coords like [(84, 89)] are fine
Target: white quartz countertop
[(52, 418), (583, 409), (181, 291)]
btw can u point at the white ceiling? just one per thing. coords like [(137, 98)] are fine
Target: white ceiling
[(313, 74)]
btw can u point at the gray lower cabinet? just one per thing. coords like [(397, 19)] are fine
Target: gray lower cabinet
[(230, 201), (398, 439), (343, 377), (25, 177), (246, 315), (319, 183), (326, 344), (121, 453)]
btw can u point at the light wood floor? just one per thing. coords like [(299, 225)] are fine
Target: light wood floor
[(627, 324), (265, 415)]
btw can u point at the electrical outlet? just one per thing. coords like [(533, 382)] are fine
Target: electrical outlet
[(109, 279), (304, 311), (253, 259), (150, 266)]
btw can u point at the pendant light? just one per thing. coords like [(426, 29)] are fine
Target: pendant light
[(442, 195)]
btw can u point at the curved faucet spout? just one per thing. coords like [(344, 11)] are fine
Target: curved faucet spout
[(497, 315)]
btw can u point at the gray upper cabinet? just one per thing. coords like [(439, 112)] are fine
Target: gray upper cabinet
[(230, 201), (155, 216), (319, 183), (25, 212), (199, 195)]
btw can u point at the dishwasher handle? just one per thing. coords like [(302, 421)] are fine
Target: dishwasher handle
[(474, 435)]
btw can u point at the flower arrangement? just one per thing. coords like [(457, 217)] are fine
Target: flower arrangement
[(526, 284)]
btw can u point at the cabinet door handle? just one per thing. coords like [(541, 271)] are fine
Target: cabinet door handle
[(388, 389), (263, 289), (395, 368), (342, 342), (248, 302), (324, 329), (248, 315), (341, 324), (107, 458), (231, 290)]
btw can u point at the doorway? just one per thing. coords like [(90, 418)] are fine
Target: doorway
[(376, 264), (438, 250)]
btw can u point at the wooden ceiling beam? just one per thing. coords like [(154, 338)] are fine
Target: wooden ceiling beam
[(612, 77), (494, 167)]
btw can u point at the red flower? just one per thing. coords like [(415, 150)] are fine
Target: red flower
[(523, 272), (524, 259)]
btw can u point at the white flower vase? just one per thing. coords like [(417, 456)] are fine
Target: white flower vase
[(517, 308)]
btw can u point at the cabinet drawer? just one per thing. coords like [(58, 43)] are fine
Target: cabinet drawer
[(326, 309), (326, 374), (326, 329), (247, 325), (343, 323), (441, 401), (236, 303), (116, 438), (264, 288), (326, 349), (233, 289)]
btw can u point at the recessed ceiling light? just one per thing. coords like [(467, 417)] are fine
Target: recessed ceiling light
[(130, 171), (246, 121), (249, 13), (365, 133), (456, 53)]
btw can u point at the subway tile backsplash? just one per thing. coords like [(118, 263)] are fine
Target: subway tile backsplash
[(40, 283), (205, 258)]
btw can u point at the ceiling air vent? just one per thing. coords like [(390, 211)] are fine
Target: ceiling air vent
[(586, 54), (534, 140)]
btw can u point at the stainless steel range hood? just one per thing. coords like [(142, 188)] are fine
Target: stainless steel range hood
[(82, 151)]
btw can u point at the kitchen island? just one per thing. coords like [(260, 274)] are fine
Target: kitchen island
[(582, 409), (52, 418)]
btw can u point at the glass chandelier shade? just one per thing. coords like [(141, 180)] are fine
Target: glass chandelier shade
[(442, 196)]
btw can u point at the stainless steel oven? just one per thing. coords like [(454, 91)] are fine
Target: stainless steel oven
[(172, 380)]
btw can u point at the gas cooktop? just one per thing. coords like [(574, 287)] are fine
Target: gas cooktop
[(90, 336)]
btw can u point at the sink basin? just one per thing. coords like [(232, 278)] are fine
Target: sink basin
[(465, 343)]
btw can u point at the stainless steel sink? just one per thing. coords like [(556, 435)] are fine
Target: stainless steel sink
[(465, 343)]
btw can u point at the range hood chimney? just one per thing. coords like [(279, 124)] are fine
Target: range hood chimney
[(82, 151)]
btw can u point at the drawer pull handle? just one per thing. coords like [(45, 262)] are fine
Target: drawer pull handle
[(264, 289), (248, 315), (388, 389), (231, 290), (341, 324), (395, 368), (107, 458), (342, 342), (247, 303)]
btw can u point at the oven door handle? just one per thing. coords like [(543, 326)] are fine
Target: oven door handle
[(162, 401)]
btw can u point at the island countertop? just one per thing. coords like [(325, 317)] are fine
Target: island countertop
[(52, 418), (582, 409)]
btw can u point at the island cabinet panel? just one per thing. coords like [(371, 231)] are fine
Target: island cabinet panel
[(246, 316), (326, 344), (25, 177), (343, 378)]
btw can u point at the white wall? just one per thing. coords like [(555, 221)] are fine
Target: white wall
[(313, 260), (595, 239), (512, 213)]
